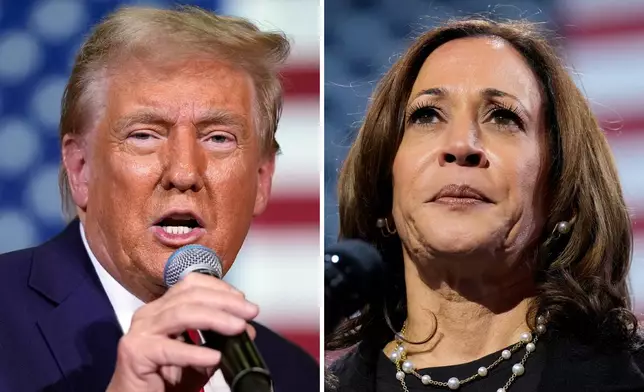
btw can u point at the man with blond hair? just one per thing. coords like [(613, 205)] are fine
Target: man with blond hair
[(167, 138)]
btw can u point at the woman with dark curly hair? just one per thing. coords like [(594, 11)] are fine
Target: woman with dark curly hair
[(486, 183)]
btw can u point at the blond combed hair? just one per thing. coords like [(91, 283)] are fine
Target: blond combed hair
[(167, 36)]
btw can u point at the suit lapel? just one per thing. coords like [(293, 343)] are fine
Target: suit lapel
[(81, 329)]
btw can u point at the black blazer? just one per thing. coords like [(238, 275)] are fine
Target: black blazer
[(58, 331), (570, 366)]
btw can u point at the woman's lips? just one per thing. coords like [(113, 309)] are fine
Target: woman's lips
[(462, 191), (459, 201)]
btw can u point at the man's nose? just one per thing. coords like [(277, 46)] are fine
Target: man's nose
[(184, 162)]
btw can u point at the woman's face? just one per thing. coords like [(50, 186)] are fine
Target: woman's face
[(465, 174)]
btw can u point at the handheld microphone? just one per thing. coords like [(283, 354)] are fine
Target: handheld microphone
[(353, 274), (241, 364)]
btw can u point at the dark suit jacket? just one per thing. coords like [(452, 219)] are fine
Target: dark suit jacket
[(58, 331), (570, 366)]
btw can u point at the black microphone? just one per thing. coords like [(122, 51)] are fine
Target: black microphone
[(353, 274), (241, 364)]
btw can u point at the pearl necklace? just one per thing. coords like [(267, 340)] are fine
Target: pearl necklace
[(404, 366)]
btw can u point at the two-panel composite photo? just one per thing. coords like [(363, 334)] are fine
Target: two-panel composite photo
[(321, 195)]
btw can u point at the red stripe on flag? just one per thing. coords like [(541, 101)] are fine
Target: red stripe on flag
[(627, 125), (284, 211), (309, 341), (638, 226), (302, 81), (607, 28)]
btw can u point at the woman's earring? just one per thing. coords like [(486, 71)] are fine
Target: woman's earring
[(552, 243), (563, 228), (383, 225)]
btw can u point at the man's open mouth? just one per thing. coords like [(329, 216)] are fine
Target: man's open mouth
[(178, 224)]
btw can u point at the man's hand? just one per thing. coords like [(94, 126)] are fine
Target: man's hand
[(152, 356)]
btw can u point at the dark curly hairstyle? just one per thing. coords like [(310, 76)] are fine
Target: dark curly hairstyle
[(581, 278)]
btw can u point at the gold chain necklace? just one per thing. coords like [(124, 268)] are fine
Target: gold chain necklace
[(404, 366)]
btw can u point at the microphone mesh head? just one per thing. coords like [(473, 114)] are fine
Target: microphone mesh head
[(191, 258)]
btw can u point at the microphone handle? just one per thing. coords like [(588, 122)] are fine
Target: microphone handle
[(241, 364)]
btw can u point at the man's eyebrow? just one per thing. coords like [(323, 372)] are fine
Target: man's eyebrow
[(145, 116), (220, 117), (210, 117)]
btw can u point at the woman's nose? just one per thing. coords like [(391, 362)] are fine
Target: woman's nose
[(462, 148)]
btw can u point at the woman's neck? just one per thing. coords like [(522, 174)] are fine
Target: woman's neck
[(471, 316)]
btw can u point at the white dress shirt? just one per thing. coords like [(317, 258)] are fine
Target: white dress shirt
[(125, 304)]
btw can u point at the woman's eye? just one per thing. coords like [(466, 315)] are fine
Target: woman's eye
[(505, 118), (426, 115)]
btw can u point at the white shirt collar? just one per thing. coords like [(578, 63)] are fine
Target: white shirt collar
[(125, 304)]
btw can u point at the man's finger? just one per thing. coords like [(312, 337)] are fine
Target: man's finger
[(216, 299), (200, 280), (176, 320), (169, 352), (251, 331)]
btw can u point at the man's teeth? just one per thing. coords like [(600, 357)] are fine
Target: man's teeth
[(177, 229)]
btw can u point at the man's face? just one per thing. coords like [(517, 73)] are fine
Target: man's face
[(174, 160)]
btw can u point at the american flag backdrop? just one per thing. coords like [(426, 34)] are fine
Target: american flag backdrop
[(278, 265), (605, 46)]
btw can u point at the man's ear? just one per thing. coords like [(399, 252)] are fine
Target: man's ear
[(74, 155), (264, 184)]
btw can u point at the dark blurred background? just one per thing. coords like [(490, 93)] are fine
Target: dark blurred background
[(603, 42)]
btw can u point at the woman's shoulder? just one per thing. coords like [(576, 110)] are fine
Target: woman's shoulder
[(572, 363), (638, 356)]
